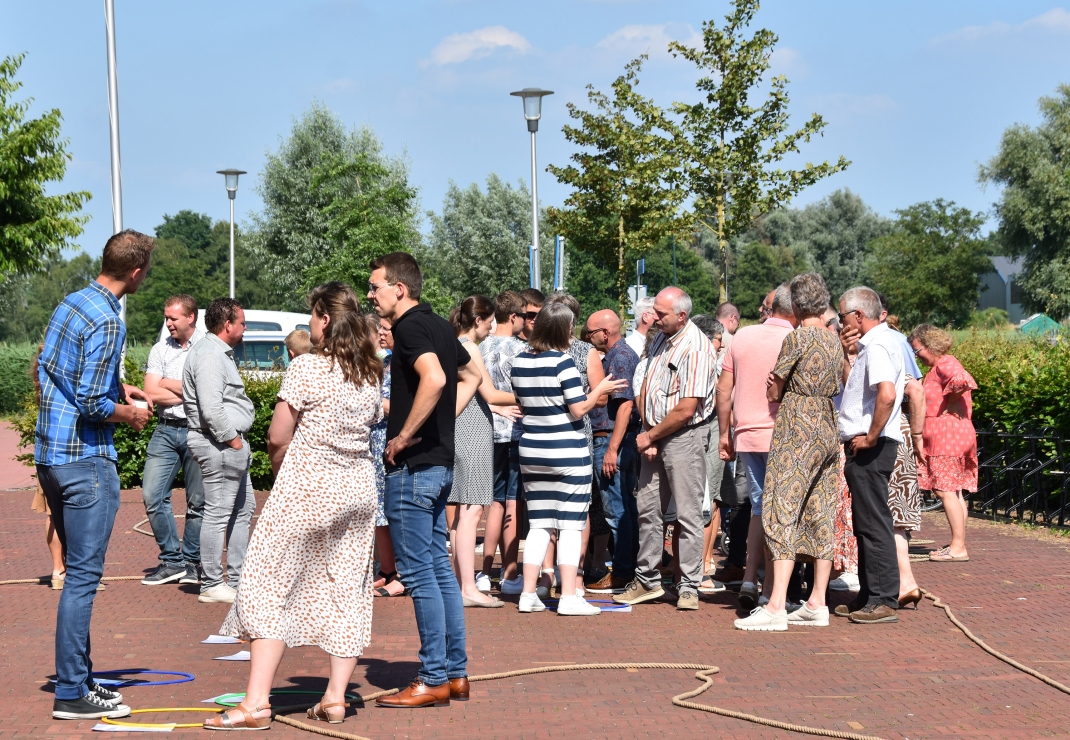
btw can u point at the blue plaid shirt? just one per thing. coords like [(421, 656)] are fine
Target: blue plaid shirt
[(79, 374)]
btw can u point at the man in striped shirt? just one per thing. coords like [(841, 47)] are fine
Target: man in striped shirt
[(676, 403)]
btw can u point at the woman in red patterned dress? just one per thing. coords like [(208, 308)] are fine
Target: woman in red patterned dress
[(949, 443)]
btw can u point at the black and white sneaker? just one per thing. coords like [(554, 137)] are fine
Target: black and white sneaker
[(192, 575), (110, 697), (89, 706), (163, 574)]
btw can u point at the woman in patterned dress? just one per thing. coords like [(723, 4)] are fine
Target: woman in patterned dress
[(554, 458), (387, 582), (473, 463), (949, 442), (307, 576), (802, 480)]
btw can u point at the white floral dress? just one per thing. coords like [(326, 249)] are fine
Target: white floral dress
[(307, 577)]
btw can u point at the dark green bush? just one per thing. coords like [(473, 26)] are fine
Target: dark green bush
[(15, 382)]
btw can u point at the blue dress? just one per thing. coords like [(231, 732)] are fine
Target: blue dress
[(378, 445)]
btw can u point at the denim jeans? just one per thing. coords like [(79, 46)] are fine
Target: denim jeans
[(167, 454), (619, 503), (84, 498), (506, 471), (416, 507), (229, 504)]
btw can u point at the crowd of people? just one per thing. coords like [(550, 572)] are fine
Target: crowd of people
[(801, 441)]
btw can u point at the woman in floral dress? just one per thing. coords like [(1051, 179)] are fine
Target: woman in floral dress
[(949, 442), (307, 576)]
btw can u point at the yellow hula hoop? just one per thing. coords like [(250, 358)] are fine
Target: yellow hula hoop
[(213, 710)]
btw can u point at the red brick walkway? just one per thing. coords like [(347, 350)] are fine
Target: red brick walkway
[(919, 678)]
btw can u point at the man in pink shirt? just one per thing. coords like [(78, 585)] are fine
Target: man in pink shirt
[(741, 399)]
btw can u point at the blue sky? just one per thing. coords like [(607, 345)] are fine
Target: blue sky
[(916, 94)]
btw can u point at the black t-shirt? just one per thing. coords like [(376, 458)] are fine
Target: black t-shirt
[(417, 332)]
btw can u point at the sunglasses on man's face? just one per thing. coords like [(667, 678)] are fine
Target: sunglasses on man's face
[(531, 315)]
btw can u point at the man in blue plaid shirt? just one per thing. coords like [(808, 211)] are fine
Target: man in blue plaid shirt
[(81, 401)]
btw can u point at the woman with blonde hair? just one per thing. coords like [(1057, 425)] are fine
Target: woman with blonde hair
[(307, 577), (949, 442)]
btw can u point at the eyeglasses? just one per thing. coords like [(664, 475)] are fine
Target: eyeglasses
[(831, 320), (384, 330), (373, 288), (845, 314), (592, 332), (917, 353), (531, 315), (764, 309)]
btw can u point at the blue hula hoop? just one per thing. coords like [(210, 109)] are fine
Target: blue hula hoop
[(185, 677)]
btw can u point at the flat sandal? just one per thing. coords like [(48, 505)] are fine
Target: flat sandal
[(247, 722), (319, 712)]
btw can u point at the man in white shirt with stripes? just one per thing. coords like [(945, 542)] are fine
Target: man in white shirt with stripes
[(167, 452)]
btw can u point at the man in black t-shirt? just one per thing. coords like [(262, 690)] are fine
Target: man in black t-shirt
[(431, 382)]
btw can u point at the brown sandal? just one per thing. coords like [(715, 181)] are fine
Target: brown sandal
[(320, 712), (248, 721)]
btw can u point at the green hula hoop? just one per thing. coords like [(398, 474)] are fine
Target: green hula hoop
[(232, 700)]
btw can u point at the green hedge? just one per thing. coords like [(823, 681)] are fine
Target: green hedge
[(132, 446), (15, 381)]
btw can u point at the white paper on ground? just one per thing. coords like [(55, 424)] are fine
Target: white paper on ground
[(101, 727), (240, 655), (605, 606), (220, 640)]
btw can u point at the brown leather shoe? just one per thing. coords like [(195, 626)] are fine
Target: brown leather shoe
[(609, 584), (459, 689), (874, 615), (730, 574), (418, 694)]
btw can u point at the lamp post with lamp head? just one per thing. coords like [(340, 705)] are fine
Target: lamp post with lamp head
[(532, 97), (231, 179)]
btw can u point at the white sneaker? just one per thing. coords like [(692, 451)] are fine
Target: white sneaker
[(846, 582), (530, 603), (762, 621), (482, 582), (512, 586), (218, 594), (804, 615), (575, 606)]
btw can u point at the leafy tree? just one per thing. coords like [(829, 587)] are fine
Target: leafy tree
[(479, 243), (930, 266), (758, 269), (27, 301), (331, 199), (1033, 169), (34, 227), (625, 196), (731, 149)]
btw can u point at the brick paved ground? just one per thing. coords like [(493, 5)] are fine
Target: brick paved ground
[(919, 678)]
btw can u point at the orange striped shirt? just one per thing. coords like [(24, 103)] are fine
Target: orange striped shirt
[(681, 366)]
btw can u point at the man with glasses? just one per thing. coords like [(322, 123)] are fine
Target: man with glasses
[(533, 300), (644, 319), (615, 453)]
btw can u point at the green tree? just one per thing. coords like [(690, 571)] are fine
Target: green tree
[(730, 149), (625, 197), (479, 243), (331, 198), (758, 268), (34, 227), (1033, 170), (27, 301), (930, 266)]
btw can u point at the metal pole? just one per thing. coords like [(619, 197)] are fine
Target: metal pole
[(113, 120), (536, 274), (232, 246)]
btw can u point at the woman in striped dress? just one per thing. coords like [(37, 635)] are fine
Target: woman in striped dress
[(555, 461)]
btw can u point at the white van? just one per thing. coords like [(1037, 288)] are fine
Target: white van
[(262, 347)]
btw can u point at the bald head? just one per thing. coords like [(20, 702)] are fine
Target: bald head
[(672, 306), (603, 327)]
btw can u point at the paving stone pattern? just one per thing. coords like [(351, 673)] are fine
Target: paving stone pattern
[(920, 678)]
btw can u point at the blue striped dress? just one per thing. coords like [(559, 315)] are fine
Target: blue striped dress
[(555, 463)]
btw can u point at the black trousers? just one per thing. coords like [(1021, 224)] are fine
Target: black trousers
[(741, 513), (867, 475)]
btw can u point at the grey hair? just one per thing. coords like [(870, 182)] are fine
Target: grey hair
[(682, 304), (782, 300), (708, 325), (862, 299), (809, 296), (643, 305)]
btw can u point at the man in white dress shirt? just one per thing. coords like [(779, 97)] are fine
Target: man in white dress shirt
[(644, 319)]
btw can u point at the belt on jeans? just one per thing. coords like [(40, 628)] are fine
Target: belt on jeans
[(206, 433), (601, 434), (181, 423)]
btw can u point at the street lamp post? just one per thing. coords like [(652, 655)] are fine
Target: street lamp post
[(231, 176), (532, 97)]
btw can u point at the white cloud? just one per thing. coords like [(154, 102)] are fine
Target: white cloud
[(461, 47), (651, 38), (1055, 20), (786, 60)]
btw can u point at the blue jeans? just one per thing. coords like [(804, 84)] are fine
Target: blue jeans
[(416, 507), (755, 463), (506, 471), (167, 454), (84, 498), (619, 503)]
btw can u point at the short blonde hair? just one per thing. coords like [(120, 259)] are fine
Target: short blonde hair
[(299, 341), (932, 338)]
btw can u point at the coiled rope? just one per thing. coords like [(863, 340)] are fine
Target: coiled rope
[(681, 700)]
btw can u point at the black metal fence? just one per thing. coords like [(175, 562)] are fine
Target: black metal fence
[(1023, 474)]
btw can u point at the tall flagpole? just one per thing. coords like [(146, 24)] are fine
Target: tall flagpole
[(113, 120)]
